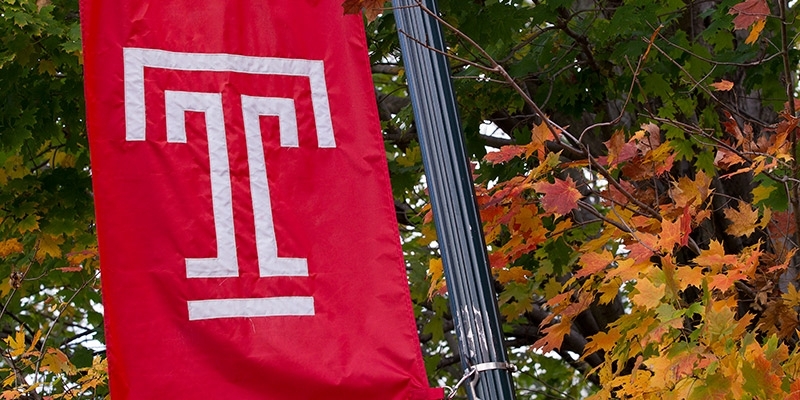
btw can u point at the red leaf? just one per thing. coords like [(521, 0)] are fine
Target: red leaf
[(748, 12), (560, 197), (619, 150), (505, 154)]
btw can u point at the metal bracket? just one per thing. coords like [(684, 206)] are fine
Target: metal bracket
[(472, 372)]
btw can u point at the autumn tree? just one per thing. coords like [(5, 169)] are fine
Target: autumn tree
[(638, 193), (635, 165)]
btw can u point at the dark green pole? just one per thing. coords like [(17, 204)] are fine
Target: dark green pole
[(455, 212)]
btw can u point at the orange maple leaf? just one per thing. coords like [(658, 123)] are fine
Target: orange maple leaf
[(748, 12), (687, 192), (743, 221), (714, 257), (554, 336), (689, 276), (726, 158), (506, 153), (594, 262), (755, 31), (560, 197), (649, 295), (723, 85), (515, 274), (671, 234), (540, 134), (372, 8)]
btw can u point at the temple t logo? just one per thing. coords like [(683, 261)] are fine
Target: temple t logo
[(177, 103)]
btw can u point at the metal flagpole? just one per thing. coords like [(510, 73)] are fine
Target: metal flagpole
[(460, 234)]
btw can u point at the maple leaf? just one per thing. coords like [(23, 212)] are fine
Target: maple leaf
[(554, 336), (540, 134), (689, 276), (723, 85), (505, 154), (649, 295), (560, 197), (748, 12), (755, 31), (715, 256), (792, 296), (436, 274), (726, 158), (372, 8), (48, 246), (687, 192), (513, 274), (671, 234), (743, 221), (594, 262), (10, 246), (55, 361), (618, 149), (602, 341), (616, 195)]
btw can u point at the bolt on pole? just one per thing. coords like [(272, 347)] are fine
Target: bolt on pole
[(460, 235)]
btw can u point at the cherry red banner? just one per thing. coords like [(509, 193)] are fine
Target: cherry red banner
[(247, 232)]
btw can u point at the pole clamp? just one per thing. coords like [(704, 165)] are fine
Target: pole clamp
[(472, 372)]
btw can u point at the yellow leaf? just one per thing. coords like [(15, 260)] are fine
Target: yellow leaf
[(609, 291), (56, 362), (428, 235), (48, 246), (602, 341), (761, 193), (743, 220), (552, 288), (10, 246), (5, 287), (515, 274), (791, 297), (687, 192), (15, 167), (436, 274), (16, 343), (755, 31)]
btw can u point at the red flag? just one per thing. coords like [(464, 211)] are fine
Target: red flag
[(247, 233)]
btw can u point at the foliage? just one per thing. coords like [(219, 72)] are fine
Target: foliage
[(49, 291), (638, 195), (639, 201)]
